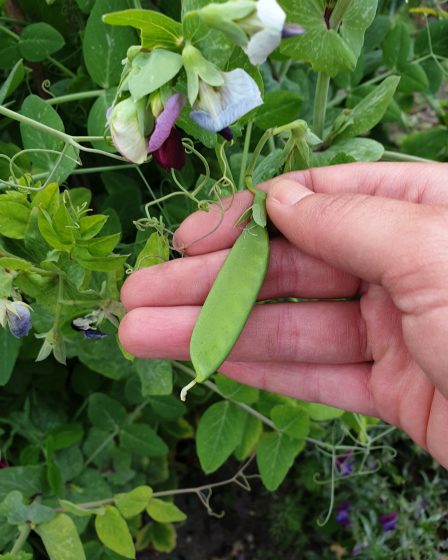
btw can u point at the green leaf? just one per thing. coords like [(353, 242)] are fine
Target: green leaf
[(397, 46), (413, 78), (15, 263), (34, 139), (96, 121), (167, 407), (292, 420), (28, 480), (231, 389), (47, 198), (433, 38), (430, 144), (14, 218), (13, 81), (101, 246), (16, 512), (219, 431), (252, 430), (104, 357), (279, 108), (106, 413), (150, 71), (268, 166), (143, 441), (158, 30), (164, 512), (359, 149), (325, 49), (61, 539), (370, 110), (64, 436), (39, 40), (104, 47), (322, 412), (110, 263), (134, 502), (156, 376), (114, 533), (9, 351), (89, 226), (275, 456), (155, 251), (163, 537)]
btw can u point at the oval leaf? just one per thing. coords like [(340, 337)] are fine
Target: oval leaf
[(114, 533), (61, 539)]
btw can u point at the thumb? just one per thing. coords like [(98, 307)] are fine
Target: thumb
[(372, 237)]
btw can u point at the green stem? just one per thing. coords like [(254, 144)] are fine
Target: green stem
[(87, 170), (53, 61), (283, 71), (338, 13), (320, 104), (25, 531), (61, 67), (245, 154), (397, 156), (74, 97)]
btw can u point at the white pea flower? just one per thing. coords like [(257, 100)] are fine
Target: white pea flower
[(217, 107)]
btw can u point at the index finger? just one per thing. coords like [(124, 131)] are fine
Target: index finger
[(205, 232)]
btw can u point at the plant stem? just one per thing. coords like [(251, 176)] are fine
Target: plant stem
[(74, 97), (245, 154), (320, 104), (25, 530), (338, 13), (397, 156), (61, 67), (214, 388)]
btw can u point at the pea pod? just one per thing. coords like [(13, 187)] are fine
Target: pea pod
[(229, 302)]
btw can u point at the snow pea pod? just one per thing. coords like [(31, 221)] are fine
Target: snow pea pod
[(229, 302)]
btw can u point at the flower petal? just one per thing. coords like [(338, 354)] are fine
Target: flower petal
[(165, 121), (271, 14), (127, 134), (262, 44), (171, 154), (19, 321), (218, 108)]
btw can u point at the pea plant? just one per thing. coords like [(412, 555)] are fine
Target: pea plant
[(119, 118)]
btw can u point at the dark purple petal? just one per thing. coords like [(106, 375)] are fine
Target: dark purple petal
[(94, 334), (359, 548), (20, 323), (3, 465), (389, 521), (344, 463), (226, 133), (292, 30), (343, 513), (166, 121), (171, 154)]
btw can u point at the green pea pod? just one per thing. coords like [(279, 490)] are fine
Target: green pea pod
[(229, 302)]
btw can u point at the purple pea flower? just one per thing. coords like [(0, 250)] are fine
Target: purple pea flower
[(389, 521), (343, 513), (344, 463), (292, 30), (165, 142), (87, 325), (19, 318), (358, 549), (218, 107)]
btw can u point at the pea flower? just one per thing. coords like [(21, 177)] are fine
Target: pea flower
[(255, 25), (130, 124), (166, 143), (344, 463), (88, 326), (389, 521), (17, 316), (343, 513), (216, 108)]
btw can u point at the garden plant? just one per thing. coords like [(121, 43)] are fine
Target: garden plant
[(119, 119)]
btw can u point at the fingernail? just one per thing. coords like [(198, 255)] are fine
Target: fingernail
[(287, 192)]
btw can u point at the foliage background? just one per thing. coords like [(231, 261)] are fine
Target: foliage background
[(89, 424)]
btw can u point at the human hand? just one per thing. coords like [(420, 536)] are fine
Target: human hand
[(378, 230)]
